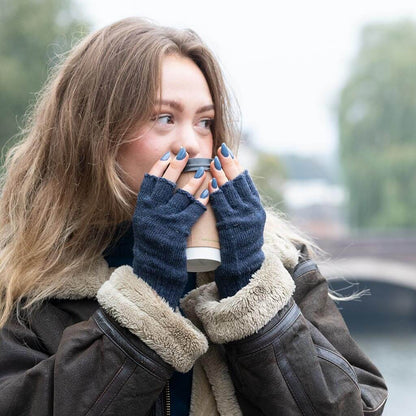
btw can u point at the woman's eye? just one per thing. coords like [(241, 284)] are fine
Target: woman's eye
[(163, 119), (206, 123)]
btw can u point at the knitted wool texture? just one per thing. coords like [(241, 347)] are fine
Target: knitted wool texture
[(162, 222), (240, 222)]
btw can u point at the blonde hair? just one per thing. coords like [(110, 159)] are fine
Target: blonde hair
[(62, 193)]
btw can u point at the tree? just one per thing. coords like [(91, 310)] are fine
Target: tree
[(32, 34), (377, 127), (268, 175)]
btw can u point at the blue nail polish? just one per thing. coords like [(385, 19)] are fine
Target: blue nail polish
[(199, 173), (217, 163), (224, 150), (214, 183), (181, 155), (204, 194), (166, 156)]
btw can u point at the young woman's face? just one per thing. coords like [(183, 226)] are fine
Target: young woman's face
[(184, 118)]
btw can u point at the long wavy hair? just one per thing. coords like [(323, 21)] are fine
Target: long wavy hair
[(62, 192)]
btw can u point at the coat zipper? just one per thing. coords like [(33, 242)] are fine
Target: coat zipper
[(167, 399)]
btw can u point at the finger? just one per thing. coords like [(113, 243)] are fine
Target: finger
[(160, 166), (163, 190), (176, 166), (213, 186), (242, 186), (195, 182), (251, 184), (229, 164), (194, 211), (219, 201), (181, 199), (147, 185), (217, 171), (204, 197)]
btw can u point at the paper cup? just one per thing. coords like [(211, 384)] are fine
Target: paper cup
[(203, 246)]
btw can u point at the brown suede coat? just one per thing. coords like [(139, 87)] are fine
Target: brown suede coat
[(108, 344)]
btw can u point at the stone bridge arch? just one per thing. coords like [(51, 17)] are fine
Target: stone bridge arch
[(371, 269)]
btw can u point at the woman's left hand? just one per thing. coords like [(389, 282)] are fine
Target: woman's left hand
[(226, 167), (240, 221)]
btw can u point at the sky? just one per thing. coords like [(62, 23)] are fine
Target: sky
[(285, 61)]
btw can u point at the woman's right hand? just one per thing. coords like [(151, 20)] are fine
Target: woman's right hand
[(162, 222)]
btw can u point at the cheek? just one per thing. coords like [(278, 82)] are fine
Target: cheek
[(208, 148), (136, 158), (131, 160)]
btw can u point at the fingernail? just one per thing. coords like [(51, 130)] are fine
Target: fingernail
[(204, 194), (199, 173), (181, 155), (231, 153), (217, 163), (166, 156), (214, 183), (224, 150)]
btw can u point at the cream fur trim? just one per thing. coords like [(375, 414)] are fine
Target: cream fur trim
[(202, 398), (246, 312), (212, 388), (136, 306), (216, 369), (86, 282)]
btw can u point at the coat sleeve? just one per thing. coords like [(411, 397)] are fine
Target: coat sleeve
[(111, 364), (288, 349)]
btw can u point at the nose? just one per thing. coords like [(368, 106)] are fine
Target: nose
[(189, 139)]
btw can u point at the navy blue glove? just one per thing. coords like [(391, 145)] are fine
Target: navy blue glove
[(162, 222), (240, 222)]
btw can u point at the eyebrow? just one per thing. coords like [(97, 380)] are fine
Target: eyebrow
[(179, 107)]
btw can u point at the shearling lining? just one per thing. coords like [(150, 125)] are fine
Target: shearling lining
[(137, 307), (243, 314)]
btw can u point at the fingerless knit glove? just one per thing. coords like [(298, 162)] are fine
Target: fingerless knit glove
[(162, 221), (240, 222)]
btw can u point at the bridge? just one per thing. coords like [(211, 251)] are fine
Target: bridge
[(387, 259), (382, 267), (370, 269)]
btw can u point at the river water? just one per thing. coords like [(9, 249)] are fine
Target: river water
[(395, 356)]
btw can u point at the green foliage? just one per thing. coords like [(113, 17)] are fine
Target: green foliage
[(303, 168), (268, 175), (377, 124), (32, 34)]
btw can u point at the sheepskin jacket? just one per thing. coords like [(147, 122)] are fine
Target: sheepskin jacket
[(108, 345)]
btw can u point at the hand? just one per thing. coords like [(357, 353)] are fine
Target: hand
[(162, 222), (240, 222), (170, 168), (226, 168)]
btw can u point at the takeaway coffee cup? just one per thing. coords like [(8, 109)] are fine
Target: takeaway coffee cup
[(203, 246)]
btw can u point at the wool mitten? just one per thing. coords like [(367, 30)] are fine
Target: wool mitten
[(162, 222), (240, 221)]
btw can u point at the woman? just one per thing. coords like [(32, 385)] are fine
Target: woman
[(93, 269)]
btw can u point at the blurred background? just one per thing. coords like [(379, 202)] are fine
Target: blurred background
[(327, 93)]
